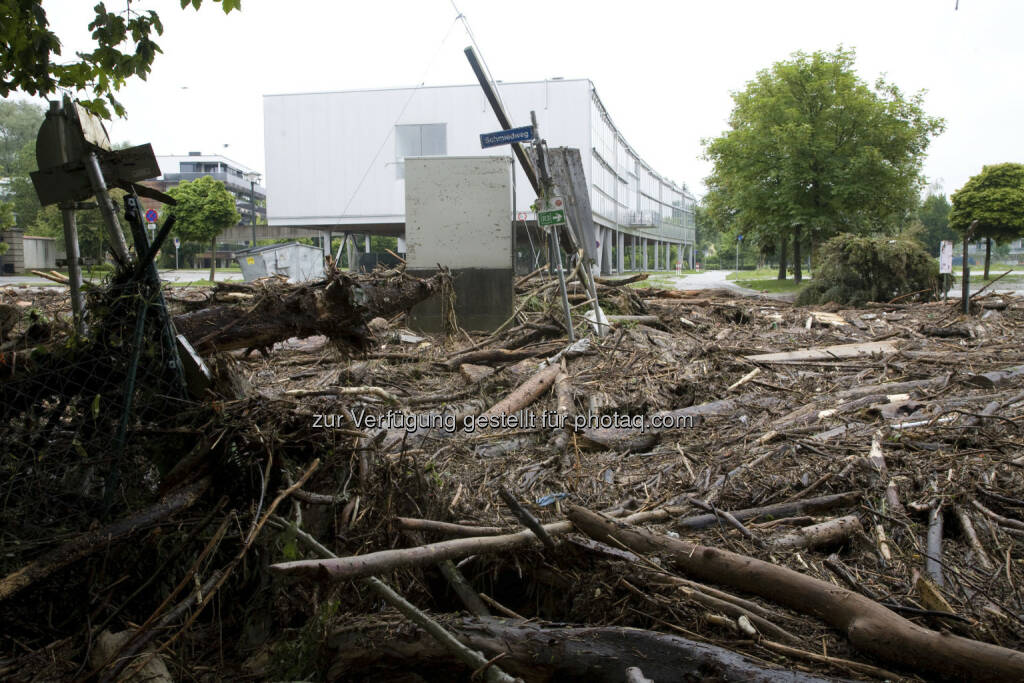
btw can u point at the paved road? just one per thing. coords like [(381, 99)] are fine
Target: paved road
[(169, 275), (710, 279)]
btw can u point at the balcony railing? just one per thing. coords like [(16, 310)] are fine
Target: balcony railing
[(229, 180)]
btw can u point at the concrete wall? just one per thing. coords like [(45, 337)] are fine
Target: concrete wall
[(40, 252), (459, 214), (13, 261)]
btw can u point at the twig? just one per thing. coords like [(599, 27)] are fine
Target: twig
[(527, 519)]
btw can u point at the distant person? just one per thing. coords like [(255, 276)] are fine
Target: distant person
[(698, 266)]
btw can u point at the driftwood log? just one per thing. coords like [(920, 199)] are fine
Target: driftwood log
[(539, 652), (338, 308), (869, 626)]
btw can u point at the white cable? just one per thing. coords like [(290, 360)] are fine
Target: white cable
[(423, 80)]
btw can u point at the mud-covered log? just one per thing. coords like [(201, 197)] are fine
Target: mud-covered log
[(869, 626), (338, 308), (539, 652)]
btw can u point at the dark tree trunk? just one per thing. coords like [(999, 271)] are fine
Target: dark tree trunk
[(539, 652), (988, 255), (782, 258), (797, 274), (213, 258)]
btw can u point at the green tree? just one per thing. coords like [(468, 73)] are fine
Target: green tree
[(994, 198), (6, 221), (19, 124), (124, 48), (204, 209), (934, 216), (812, 150)]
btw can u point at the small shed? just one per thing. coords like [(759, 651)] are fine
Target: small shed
[(297, 262)]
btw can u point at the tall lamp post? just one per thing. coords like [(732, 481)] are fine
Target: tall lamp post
[(253, 179)]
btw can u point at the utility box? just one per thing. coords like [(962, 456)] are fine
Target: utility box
[(297, 262), (458, 214)]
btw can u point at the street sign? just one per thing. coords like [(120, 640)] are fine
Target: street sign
[(551, 212), (946, 257), (152, 215), (177, 242), (506, 137), (740, 238)]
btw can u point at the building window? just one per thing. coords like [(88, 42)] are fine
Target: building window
[(419, 140)]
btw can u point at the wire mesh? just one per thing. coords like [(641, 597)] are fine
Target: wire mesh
[(85, 420)]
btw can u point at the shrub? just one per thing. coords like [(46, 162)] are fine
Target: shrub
[(854, 270)]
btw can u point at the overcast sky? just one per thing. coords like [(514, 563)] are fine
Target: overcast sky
[(664, 69)]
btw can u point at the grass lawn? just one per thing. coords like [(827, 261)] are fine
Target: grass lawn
[(762, 274), (774, 286), (1014, 277)]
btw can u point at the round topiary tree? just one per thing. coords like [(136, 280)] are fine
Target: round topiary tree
[(994, 198)]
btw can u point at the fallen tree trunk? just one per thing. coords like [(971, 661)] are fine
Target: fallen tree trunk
[(100, 539), (869, 626), (338, 308), (809, 506), (538, 652), (526, 393), (827, 533)]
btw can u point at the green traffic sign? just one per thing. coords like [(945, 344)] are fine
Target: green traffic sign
[(556, 217)]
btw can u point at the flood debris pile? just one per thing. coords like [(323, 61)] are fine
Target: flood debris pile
[(720, 487)]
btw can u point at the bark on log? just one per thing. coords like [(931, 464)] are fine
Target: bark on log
[(100, 539), (338, 309), (551, 653), (817, 535), (462, 530), (777, 511), (526, 393), (869, 626)]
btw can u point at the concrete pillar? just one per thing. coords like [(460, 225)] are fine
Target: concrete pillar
[(633, 253), (657, 248), (643, 249), (620, 252), (607, 235), (367, 243), (350, 246), (325, 243), (668, 256)]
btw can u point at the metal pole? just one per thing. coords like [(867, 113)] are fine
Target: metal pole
[(737, 254), (99, 187), (556, 263), (74, 268), (503, 120), (252, 207)]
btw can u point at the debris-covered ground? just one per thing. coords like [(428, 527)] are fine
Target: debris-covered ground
[(801, 493)]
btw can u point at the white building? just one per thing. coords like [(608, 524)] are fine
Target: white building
[(335, 160)]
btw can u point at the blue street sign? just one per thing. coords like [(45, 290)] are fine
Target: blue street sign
[(506, 137), (152, 215), (740, 238)]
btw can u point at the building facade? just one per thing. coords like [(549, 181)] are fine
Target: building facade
[(335, 161), (243, 183)]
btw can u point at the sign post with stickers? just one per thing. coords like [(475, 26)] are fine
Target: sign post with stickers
[(946, 266), (177, 243)]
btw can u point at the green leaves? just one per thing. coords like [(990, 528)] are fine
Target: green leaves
[(994, 198), (204, 209), (813, 146), (124, 49)]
